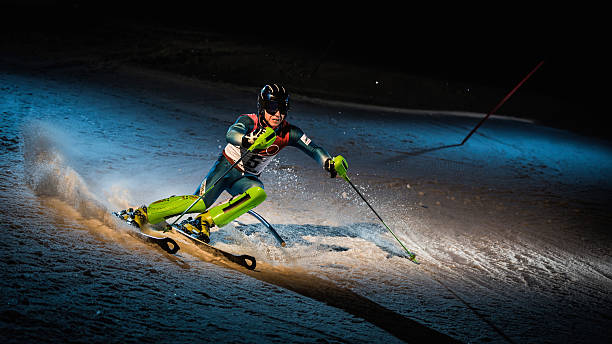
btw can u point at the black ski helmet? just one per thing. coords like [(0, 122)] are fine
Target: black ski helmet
[(272, 97)]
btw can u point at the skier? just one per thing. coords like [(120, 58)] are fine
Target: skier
[(253, 140)]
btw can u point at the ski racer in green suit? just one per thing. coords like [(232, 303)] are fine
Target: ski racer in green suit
[(253, 152)]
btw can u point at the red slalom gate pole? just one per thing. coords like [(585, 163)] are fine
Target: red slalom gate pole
[(501, 102)]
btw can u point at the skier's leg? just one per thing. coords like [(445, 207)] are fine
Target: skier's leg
[(157, 211), (243, 184), (172, 206), (247, 193), (224, 213), (219, 169)]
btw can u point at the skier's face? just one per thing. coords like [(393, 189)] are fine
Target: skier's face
[(274, 119)]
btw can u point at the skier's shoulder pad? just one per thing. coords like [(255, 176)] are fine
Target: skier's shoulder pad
[(248, 118), (246, 122)]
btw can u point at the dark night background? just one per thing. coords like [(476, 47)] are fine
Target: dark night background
[(108, 104), (442, 58)]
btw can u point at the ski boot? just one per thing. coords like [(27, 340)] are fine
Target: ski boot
[(136, 218), (224, 213), (198, 228)]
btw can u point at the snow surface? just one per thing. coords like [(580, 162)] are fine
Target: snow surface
[(512, 228)]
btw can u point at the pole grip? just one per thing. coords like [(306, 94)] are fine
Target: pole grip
[(341, 166), (267, 138)]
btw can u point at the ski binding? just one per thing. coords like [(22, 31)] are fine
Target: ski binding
[(244, 260), (167, 244)]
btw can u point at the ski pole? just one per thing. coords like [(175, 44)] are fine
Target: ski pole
[(267, 136), (341, 167), (269, 226)]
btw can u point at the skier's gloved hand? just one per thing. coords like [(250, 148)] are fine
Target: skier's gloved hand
[(259, 139), (336, 166), (249, 139), (329, 167)]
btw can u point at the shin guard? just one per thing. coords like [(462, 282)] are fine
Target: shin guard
[(172, 206), (227, 212)]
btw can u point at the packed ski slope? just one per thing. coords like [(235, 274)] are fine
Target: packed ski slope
[(512, 228)]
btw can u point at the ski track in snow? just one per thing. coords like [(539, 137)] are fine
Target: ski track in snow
[(511, 228)]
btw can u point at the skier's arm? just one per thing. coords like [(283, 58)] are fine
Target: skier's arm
[(236, 132), (298, 139)]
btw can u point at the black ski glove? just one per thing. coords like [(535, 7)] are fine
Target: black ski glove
[(249, 139), (329, 167)]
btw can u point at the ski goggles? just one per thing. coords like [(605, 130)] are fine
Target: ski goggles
[(272, 106)]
